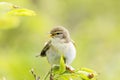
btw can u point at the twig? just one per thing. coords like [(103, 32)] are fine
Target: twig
[(45, 77), (51, 76), (35, 76)]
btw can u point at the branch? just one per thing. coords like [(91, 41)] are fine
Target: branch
[(35, 76)]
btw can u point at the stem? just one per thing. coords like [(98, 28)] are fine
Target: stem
[(45, 77), (35, 76)]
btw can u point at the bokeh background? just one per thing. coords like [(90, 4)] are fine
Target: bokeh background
[(93, 24)]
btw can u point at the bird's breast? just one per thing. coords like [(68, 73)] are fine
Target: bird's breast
[(59, 48)]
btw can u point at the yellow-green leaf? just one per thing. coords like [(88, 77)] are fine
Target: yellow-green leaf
[(87, 74), (22, 12), (62, 65)]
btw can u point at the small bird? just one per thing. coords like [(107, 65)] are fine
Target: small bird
[(59, 44)]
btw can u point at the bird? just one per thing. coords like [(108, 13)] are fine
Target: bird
[(60, 44)]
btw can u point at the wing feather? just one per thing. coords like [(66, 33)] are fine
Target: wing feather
[(44, 50)]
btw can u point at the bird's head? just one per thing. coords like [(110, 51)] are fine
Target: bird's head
[(60, 32)]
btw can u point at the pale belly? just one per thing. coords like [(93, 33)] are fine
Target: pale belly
[(58, 50)]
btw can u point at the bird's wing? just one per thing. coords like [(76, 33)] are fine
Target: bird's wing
[(46, 47)]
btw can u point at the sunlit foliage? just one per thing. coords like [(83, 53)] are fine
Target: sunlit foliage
[(94, 25)]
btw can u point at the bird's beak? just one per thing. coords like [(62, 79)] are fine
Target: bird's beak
[(50, 35)]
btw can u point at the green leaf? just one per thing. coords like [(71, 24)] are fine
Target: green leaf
[(9, 15), (22, 12), (62, 65), (55, 69), (11, 9), (87, 74), (87, 70), (81, 74)]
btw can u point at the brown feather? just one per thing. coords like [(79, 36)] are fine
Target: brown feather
[(44, 50)]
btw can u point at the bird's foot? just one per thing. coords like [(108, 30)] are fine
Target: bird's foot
[(70, 68)]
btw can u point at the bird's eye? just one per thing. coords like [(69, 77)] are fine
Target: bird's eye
[(57, 33)]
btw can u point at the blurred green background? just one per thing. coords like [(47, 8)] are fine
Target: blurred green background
[(93, 24)]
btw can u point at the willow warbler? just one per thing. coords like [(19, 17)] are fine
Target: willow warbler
[(60, 44)]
